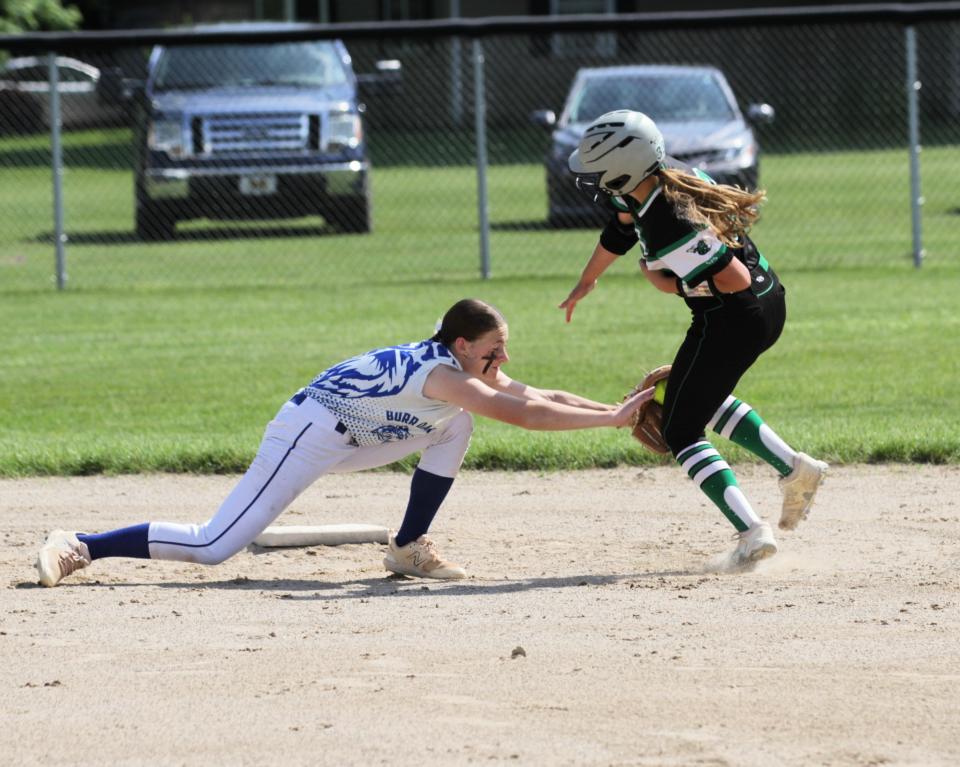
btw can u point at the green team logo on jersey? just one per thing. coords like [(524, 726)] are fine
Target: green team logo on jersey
[(701, 248)]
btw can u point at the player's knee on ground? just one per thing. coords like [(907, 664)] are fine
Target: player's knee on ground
[(199, 544), (213, 556)]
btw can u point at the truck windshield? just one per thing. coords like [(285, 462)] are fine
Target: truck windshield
[(664, 98), (303, 64)]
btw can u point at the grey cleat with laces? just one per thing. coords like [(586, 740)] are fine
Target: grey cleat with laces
[(799, 488), (420, 558)]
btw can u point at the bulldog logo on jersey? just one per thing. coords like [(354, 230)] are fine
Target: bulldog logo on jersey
[(392, 433)]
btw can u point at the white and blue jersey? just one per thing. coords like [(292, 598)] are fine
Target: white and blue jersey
[(379, 397)]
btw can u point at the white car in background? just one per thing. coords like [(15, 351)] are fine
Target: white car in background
[(25, 87)]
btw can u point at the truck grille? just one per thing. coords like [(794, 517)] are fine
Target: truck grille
[(254, 133)]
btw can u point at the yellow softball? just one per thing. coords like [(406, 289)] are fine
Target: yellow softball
[(660, 391)]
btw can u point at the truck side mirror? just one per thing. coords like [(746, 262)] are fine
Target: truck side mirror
[(389, 68), (388, 72)]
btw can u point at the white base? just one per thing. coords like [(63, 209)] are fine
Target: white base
[(320, 535)]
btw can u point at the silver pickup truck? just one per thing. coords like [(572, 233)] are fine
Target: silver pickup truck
[(261, 130)]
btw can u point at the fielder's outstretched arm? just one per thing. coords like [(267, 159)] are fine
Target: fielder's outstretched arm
[(525, 391), (475, 396)]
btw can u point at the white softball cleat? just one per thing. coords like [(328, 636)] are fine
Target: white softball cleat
[(421, 559), (799, 487), (61, 555), (755, 544)]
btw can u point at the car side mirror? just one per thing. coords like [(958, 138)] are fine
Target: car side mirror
[(760, 114), (545, 118)]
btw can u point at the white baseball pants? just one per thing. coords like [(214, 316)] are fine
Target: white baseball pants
[(299, 446)]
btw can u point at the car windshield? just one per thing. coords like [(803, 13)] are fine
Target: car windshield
[(664, 98), (306, 64)]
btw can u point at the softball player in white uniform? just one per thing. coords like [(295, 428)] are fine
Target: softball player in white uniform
[(367, 411), (694, 243)]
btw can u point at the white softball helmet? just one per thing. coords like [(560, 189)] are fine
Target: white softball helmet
[(618, 151)]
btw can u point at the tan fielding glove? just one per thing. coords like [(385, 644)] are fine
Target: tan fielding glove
[(648, 421)]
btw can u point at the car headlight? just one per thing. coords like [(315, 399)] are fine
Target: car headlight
[(344, 131), (743, 155), (166, 136)]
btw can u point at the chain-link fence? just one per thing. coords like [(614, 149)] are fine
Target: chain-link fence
[(254, 157)]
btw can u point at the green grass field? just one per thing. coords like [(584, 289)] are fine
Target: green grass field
[(173, 356)]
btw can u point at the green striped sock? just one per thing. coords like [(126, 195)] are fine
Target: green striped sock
[(739, 423), (716, 479)]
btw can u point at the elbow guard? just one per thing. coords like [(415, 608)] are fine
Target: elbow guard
[(618, 237)]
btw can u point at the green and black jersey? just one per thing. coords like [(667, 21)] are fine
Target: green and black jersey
[(669, 243)]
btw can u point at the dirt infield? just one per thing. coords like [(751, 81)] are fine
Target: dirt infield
[(594, 629)]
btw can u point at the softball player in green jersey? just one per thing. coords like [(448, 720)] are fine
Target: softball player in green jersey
[(693, 237)]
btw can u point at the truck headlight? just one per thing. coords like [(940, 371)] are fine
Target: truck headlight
[(166, 136), (344, 131)]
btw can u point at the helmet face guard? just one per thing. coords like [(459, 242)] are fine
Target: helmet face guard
[(589, 186), (594, 188)]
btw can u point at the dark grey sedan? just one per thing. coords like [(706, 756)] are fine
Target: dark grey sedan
[(693, 106)]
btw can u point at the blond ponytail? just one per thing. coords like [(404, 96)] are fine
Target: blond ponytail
[(728, 210)]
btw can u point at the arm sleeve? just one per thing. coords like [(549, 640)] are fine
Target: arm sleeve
[(618, 237)]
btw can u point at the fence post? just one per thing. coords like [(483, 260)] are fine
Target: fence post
[(480, 125), (913, 126), (456, 95), (56, 151)]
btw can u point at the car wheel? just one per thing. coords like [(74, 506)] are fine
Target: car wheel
[(154, 224), (555, 219)]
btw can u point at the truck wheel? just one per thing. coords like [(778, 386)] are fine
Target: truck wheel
[(351, 214), (154, 224)]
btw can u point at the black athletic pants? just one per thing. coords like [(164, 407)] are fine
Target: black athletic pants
[(727, 334)]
